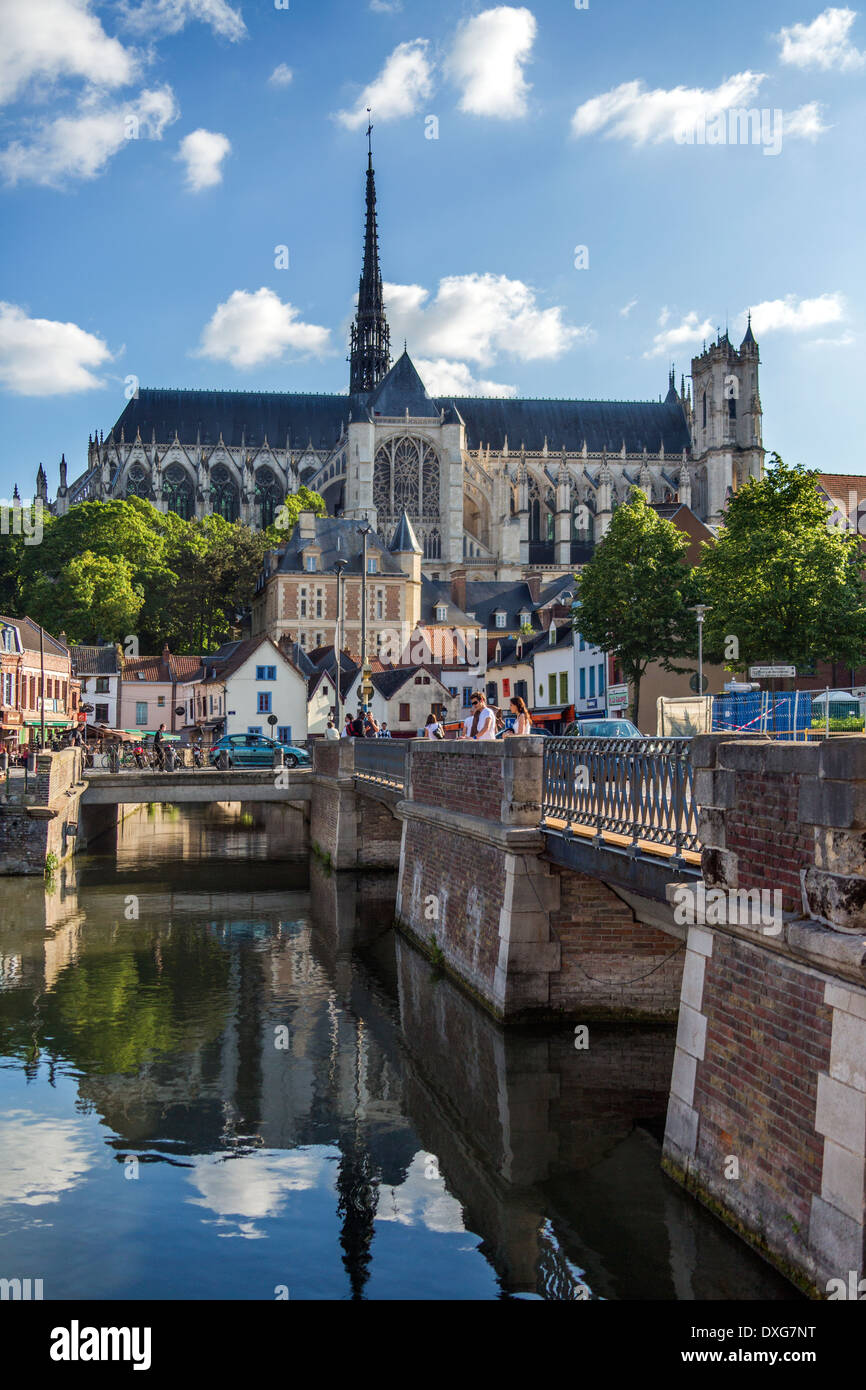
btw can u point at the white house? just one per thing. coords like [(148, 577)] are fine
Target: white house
[(404, 696), (249, 687), (99, 670)]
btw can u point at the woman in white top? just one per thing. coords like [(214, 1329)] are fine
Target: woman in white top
[(523, 723), (432, 726)]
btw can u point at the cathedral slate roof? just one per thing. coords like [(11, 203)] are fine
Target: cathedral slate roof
[(251, 416), (602, 424), (401, 390)]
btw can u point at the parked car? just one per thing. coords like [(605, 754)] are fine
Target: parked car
[(256, 750), (603, 728)]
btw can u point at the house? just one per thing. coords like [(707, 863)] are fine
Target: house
[(99, 670), (255, 686), (510, 672), (38, 683), (152, 691), (404, 696), (552, 656)]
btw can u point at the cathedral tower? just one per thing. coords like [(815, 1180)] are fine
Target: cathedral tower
[(370, 355)]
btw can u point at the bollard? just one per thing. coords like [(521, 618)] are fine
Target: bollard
[(279, 759), (4, 761), (223, 760)]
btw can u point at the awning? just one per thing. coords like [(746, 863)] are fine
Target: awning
[(548, 716)]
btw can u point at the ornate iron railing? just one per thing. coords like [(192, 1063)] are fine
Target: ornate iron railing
[(381, 760), (638, 788)]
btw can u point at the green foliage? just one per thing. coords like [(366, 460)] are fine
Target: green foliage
[(849, 724), (636, 591), (109, 569), (304, 500), (779, 580)]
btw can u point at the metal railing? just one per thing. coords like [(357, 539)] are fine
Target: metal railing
[(381, 760), (638, 788)]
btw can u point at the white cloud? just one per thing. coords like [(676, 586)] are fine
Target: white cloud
[(203, 152), (627, 308), (689, 332), (154, 17), (805, 123), (281, 76), (477, 317), (632, 112), (53, 39), (250, 328), (80, 146), (445, 378), (386, 6), (797, 315), (404, 82), (822, 44), (844, 340), (487, 62), (40, 357)]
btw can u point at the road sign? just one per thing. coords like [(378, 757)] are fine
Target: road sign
[(617, 697), (693, 684), (769, 673)]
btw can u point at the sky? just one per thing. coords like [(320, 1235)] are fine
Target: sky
[(566, 206)]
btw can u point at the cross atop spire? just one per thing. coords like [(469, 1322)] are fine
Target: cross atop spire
[(370, 347)]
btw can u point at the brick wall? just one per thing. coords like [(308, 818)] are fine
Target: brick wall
[(614, 963), (452, 777), (765, 833), (768, 1038)]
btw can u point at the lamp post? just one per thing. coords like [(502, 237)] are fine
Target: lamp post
[(569, 597), (339, 566), (42, 686), (700, 611), (364, 529)]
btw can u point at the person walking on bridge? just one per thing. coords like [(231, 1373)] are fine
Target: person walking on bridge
[(158, 747), (482, 722)]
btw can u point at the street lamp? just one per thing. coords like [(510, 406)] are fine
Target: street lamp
[(364, 530), (567, 596), (339, 566), (700, 611)]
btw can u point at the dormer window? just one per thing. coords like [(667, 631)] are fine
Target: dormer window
[(498, 652), (552, 635), (524, 617), (518, 650), (441, 613), (311, 563), (500, 618), (372, 565)]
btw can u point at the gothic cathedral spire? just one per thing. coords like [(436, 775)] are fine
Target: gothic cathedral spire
[(370, 355)]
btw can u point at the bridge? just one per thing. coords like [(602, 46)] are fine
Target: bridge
[(195, 787)]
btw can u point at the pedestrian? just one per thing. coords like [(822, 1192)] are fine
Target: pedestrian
[(158, 749), (357, 729), (433, 729), (522, 721), (347, 730), (384, 731), (482, 723), (371, 727), (331, 730)]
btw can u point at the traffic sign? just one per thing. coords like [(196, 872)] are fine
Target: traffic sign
[(769, 673), (617, 697)]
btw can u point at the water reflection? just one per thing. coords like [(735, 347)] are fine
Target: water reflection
[(223, 1074)]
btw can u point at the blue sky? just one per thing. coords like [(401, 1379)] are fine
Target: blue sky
[(154, 154)]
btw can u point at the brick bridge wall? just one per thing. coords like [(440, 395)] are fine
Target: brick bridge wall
[(524, 936), (30, 832), (769, 1079)]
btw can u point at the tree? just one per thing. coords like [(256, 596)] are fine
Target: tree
[(92, 597), (635, 593), (304, 500), (781, 584)]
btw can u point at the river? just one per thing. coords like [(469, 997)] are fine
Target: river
[(222, 1075)]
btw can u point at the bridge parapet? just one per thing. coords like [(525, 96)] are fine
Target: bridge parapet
[(767, 1115)]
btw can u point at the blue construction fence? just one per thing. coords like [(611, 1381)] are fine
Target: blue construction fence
[(791, 714)]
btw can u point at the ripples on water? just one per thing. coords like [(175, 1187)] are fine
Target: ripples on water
[(222, 1076)]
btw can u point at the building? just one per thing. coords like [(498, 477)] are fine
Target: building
[(494, 488), (249, 687), (38, 683), (99, 671), (153, 689), (404, 697), (296, 593)]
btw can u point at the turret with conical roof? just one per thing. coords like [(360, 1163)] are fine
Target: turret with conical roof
[(408, 554)]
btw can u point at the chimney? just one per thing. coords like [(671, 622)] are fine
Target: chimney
[(285, 643), (458, 589), (307, 526), (533, 583)]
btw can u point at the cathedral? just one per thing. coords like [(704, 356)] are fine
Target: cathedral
[(494, 487)]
